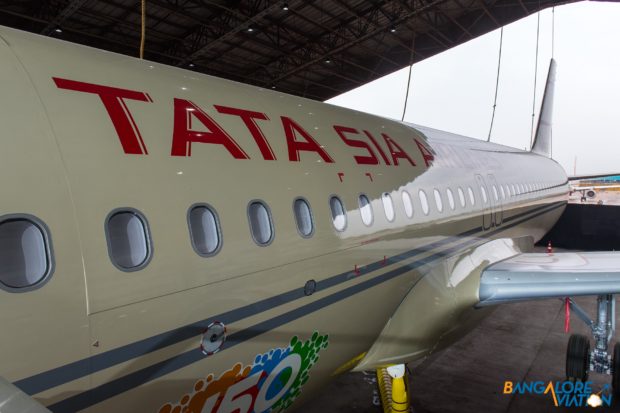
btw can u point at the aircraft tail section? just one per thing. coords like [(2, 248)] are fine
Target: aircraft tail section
[(542, 140)]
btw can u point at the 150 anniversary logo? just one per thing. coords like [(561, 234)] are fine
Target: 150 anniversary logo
[(270, 384)]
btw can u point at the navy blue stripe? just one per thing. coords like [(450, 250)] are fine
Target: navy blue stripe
[(72, 371), (137, 378)]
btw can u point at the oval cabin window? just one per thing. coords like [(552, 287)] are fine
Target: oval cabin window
[(450, 196), (365, 210), (204, 229), (424, 202), (407, 204), (128, 240), (25, 254), (388, 206), (459, 190), (261, 225), (339, 216), (472, 198), (483, 191), (303, 217), (438, 201)]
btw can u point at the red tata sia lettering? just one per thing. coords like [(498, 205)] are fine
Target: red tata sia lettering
[(396, 151), (187, 112), (426, 153), (292, 130), (113, 100), (249, 118), (371, 159), (184, 136)]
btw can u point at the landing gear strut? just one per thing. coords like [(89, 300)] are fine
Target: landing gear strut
[(580, 360)]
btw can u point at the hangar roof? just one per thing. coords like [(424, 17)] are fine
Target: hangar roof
[(312, 48)]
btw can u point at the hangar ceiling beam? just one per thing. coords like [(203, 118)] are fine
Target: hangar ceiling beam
[(348, 28), (342, 57), (360, 39), (64, 14), (351, 12), (525, 10), (491, 16), (240, 27)]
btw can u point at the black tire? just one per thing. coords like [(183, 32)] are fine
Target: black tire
[(615, 380), (578, 358)]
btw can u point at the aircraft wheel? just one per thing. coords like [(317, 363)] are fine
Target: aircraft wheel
[(578, 358), (615, 381)]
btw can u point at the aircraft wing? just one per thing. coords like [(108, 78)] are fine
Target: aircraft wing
[(592, 176), (585, 188), (539, 275), (13, 400)]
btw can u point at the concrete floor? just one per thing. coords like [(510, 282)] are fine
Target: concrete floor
[(518, 342)]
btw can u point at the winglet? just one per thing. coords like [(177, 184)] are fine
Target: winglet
[(542, 141)]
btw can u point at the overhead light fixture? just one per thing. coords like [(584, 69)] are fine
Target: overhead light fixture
[(58, 30), (285, 7), (250, 29), (273, 86), (191, 65), (328, 60), (393, 29)]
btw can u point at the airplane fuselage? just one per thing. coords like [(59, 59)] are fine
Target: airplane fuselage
[(333, 239)]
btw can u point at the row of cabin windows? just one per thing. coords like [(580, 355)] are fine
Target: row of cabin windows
[(26, 259)]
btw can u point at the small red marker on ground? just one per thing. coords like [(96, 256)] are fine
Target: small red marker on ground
[(357, 271), (549, 248)]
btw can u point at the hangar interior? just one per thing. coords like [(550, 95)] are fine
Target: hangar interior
[(317, 49)]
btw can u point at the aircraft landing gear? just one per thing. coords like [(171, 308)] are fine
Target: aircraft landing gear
[(580, 360), (615, 381)]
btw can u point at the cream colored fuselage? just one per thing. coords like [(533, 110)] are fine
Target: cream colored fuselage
[(98, 338)]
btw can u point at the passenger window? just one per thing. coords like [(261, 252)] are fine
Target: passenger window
[(261, 225), (339, 216), (495, 195), (450, 196), (408, 204), (513, 191), (365, 210), (483, 191), (204, 230), (424, 201), (461, 196), (129, 244), (438, 201), (25, 254), (472, 198), (502, 193), (388, 206), (303, 217)]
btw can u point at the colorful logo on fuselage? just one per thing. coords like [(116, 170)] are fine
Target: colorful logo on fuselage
[(270, 384)]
